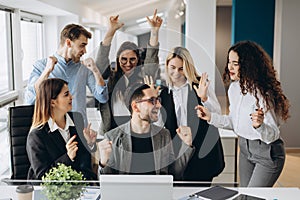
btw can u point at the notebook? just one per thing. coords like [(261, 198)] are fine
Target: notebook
[(136, 187), (216, 193)]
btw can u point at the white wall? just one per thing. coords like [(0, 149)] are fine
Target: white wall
[(201, 35), (288, 48)]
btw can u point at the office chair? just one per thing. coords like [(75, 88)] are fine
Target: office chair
[(20, 120)]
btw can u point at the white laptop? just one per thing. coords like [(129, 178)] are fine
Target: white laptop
[(136, 187)]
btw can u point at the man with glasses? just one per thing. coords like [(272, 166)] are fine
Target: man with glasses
[(139, 146)]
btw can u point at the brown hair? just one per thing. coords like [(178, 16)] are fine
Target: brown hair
[(73, 32), (257, 74), (49, 89)]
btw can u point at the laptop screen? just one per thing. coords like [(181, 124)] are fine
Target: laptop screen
[(136, 187)]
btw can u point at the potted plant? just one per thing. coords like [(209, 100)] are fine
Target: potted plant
[(63, 183)]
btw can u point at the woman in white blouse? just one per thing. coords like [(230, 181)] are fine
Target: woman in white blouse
[(185, 90), (257, 108)]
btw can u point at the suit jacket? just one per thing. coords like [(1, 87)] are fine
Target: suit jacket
[(164, 158), (208, 159), (45, 149)]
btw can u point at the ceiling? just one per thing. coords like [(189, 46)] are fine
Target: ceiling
[(131, 10), (128, 10)]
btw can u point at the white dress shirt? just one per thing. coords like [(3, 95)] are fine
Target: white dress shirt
[(180, 95), (180, 98), (239, 119), (65, 133)]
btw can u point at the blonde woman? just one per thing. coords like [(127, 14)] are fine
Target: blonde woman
[(185, 90)]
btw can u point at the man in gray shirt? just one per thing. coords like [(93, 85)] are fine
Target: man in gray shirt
[(140, 147)]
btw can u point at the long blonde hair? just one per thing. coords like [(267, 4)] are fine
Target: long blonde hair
[(189, 69), (49, 89)]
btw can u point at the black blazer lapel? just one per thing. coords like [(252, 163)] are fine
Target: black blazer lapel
[(168, 111), (192, 119), (57, 140)]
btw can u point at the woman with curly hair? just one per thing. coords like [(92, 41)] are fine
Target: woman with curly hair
[(257, 109)]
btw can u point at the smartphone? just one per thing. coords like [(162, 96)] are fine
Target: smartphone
[(158, 82), (247, 197)]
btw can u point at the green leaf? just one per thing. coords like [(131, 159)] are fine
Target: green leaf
[(56, 186)]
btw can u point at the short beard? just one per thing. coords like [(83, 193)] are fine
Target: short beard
[(146, 119)]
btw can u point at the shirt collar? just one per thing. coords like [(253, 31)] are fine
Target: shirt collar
[(63, 60), (174, 88), (53, 126)]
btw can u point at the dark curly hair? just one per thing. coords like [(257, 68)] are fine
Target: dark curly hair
[(257, 74)]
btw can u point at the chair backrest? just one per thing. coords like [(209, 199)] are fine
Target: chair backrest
[(20, 120)]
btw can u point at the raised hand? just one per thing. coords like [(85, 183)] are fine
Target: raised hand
[(148, 80), (72, 147), (185, 134), (156, 21), (51, 61), (105, 149), (113, 26), (203, 113), (257, 117), (114, 23), (202, 87), (90, 135), (90, 64)]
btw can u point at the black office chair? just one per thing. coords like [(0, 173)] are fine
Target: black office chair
[(20, 120)]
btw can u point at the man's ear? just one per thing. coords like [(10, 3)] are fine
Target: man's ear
[(134, 107), (68, 42)]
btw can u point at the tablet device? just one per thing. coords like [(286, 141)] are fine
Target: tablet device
[(247, 197), (215, 193)]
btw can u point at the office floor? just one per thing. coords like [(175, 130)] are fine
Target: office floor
[(290, 176)]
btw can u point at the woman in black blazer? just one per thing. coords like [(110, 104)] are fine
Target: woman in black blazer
[(53, 136), (185, 90)]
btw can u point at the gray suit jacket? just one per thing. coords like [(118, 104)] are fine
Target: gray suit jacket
[(164, 158)]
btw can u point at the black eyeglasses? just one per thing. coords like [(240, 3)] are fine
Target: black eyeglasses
[(152, 100), (124, 60)]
